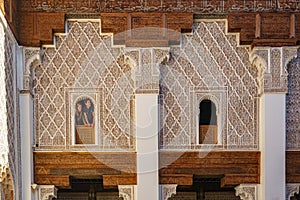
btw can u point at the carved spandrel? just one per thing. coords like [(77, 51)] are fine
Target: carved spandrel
[(47, 192), (127, 192), (291, 190), (167, 191), (247, 191)]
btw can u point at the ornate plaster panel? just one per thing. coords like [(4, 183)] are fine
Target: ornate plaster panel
[(84, 59), (293, 106), (273, 63), (8, 131), (209, 59), (31, 58)]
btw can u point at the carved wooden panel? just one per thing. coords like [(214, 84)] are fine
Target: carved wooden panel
[(292, 167), (55, 168), (161, 30), (238, 167)]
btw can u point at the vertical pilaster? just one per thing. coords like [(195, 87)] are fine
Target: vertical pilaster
[(273, 146), (26, 128), (273, 65), (146, 62), (147, 146)]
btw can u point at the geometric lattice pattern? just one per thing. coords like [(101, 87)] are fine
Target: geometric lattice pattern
[(293, 107), (207, 65), (84, 59), (3, 109), (8, 128), (10, 104), (210, 60)]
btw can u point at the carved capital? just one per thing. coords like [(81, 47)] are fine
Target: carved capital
[(166, 191), (31, 57), (146, 65), (7, 184), (291, 190), (247, 191), (272, 65), (47, 192), (127, 192), (3, 170)]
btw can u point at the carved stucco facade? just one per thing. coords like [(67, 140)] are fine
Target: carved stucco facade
[(10, 178), (292, 106), (209, 65)]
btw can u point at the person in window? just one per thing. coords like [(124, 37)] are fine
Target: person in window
[(79, 116), (88, 112)]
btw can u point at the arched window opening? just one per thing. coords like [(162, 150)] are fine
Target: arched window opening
[(208, 129), (84, 121)]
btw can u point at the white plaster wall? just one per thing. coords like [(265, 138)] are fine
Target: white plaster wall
[(26, 125), (273, 147), (147, 146)]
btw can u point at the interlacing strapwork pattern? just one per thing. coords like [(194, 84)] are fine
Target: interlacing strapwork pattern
[(293, 106), (209, 59), (84, 59)]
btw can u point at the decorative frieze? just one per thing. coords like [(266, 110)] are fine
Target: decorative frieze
[(247, 191), (205, 6)]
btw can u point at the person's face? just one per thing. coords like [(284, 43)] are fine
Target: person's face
[(79, 107), (88, 104)]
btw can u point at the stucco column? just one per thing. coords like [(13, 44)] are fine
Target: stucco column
[(147, 146), (273, 147), (26, 128), (272, 78)]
